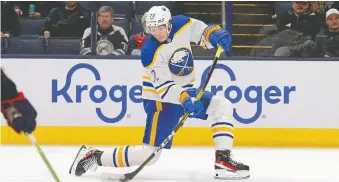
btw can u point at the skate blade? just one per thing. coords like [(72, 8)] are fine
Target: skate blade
[(76, 160), (231, 175), (112, 177)]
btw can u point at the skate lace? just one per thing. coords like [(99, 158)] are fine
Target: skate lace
[(89, 163), (233, 162)]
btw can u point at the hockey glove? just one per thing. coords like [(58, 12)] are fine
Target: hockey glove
[(19, 113), (218, 36), (190, 106), (205, 99)]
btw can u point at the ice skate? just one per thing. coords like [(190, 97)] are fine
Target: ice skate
[(226, 168), (86, 159)]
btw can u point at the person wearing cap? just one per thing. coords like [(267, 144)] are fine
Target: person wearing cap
[(112, 39), (299, 26), (299, 18), (328, 39)]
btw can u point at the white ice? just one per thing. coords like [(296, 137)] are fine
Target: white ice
[(23, 164)]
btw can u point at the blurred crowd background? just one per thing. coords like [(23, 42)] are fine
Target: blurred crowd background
[(259, 28)]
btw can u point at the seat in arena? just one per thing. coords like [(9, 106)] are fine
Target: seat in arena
[(25, 46), (31, 26)]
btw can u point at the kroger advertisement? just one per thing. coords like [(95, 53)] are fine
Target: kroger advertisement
[(264, 94)]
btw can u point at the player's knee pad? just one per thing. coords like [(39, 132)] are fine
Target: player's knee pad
[(157, 156), (140, 153), (220, 108)]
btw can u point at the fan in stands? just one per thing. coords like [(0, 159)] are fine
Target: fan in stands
[(112, 39), (136, 41), (168, 93)]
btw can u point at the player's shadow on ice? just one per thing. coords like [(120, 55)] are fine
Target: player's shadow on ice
[(191, 176), (87, 178), (164, 176)]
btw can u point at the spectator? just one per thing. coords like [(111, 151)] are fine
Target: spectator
[(9, 20), (299, 18), (137, 40), (112, 39), (41, 8), (67, 21), (303, 48), (328, 39)]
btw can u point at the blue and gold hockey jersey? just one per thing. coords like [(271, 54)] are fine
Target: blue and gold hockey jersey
[(168, 66)]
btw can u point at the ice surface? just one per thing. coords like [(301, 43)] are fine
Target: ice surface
[(23, 164)]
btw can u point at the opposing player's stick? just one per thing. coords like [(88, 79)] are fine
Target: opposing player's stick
[(131, 175), (43, 156)]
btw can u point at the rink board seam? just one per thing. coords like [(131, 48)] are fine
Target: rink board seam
[(187, 136)]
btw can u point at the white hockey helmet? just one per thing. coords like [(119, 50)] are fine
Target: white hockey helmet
[(157, 16)]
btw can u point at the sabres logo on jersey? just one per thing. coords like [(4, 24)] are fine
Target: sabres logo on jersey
[(181, 62)]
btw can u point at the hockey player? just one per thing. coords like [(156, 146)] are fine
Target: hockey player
[(167, 94), (17, 110)]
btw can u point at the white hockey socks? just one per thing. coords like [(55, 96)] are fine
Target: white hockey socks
[(222, 127), (128, 156)]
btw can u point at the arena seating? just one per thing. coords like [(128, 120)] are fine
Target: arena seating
[(128, 16), (31, 26), (24, 46), (64, 46)]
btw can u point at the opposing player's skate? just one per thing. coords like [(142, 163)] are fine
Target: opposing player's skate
[(226, 168), (86, 159)]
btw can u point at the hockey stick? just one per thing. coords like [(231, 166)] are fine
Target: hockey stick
[(43, 156), (131, 175)]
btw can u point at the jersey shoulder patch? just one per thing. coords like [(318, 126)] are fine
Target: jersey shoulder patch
[(148, 51), (179, 23)]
